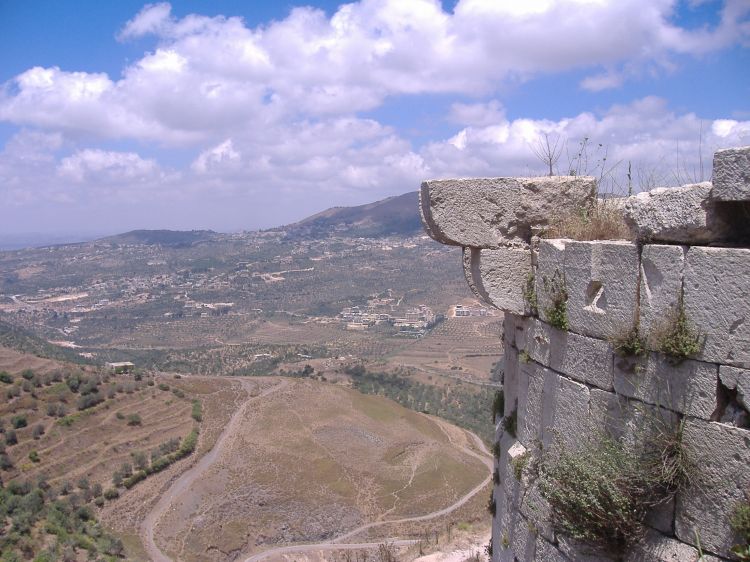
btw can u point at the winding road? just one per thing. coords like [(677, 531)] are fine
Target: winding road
[(183, 483), (338, 544), (186, 479)]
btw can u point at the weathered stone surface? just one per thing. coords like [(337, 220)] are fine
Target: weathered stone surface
[(602, 284), (655, 547), (581, 358), (510, 380), (722, 457), (731, 176), (492, 212), (684, 214), (661, 517), (577, 551), (735, 410), (499, 523), (523, 539), (537, 510), (498, 276), (662, 269), (606, 411), (514, 330), (550, 266), (531, 379), (565, 414), (548, 552), (688, 387), (717, 302)]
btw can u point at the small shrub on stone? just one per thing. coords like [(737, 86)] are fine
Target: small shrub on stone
[(498, 405), (601, 494), (496, 450), (740, 522), (510, 423), (679, 339), (557, 311), (630, 345), (492, 505), (529, 296), (519, 464)]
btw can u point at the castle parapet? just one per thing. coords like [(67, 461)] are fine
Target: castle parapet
[(601, 335)]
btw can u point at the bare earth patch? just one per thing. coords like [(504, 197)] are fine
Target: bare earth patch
[(308, 462)]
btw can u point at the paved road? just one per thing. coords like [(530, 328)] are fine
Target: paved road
[(186, 479)]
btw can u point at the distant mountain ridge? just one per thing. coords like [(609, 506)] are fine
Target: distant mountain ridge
[(398, 215), (171, 238)]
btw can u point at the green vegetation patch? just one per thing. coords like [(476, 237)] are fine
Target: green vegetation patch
[(463, 404), (48, 524), (601, 494)]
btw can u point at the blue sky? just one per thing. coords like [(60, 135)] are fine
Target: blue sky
[(239, 115)]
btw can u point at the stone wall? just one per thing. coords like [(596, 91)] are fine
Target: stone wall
[(689, 250)]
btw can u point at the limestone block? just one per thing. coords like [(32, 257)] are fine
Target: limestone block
[(661, 517), (731, 176), (737, 380), (549, 553), (607, 411), (537, 510), (688, 387), (499, 526), (550, 266), (531, 381), (491, 212), (510, 380), (661, 285), (684, 214), (581, 358), (655, 547), (512, 488), (601, 278), (722, 457), (516, 330), (577, 551), (498, 276), (523, 539), (566, 411), (717, 302)]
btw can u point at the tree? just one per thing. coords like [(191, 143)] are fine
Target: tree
[(547, 152)]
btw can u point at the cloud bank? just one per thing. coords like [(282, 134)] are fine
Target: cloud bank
[(275, 112)]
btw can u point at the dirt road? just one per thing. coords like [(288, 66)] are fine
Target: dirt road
[(339, 544), (186, 479), (183, 483)]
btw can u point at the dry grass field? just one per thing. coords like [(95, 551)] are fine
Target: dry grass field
[(465, 347), (310, 462)]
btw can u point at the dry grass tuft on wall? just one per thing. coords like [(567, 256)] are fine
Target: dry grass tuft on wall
[(604, 221)]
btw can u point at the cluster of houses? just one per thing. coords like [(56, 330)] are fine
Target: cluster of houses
[(415, 321)]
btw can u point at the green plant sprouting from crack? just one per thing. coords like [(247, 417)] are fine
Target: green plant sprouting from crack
[(679, 339), (740, 522), (529, 295), (519, 464), (557, 311), (631, 344), (601, 493), (510, 423)]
